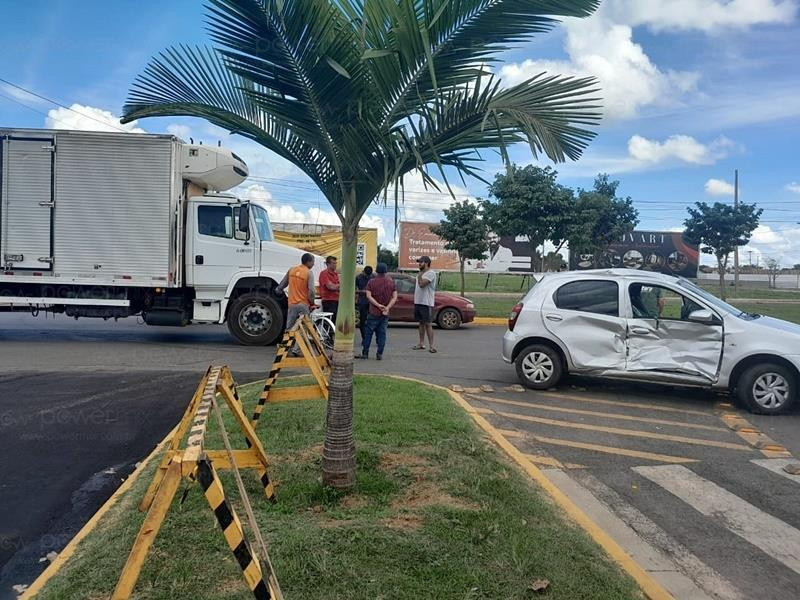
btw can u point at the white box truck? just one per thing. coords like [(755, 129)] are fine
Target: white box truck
[(114, 225)]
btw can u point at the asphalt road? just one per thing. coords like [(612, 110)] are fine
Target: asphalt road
[(82, 402)]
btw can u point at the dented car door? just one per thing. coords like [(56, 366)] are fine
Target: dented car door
[(663, 339)]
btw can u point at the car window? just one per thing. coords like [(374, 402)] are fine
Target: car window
[(657, 302), (601, 297), (404, 285)]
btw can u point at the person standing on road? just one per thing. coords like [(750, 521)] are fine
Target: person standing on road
[(329, 287), (362, 279), (424, 299), (381, 295), (300, 282)]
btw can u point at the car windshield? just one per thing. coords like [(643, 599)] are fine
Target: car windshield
[(713, 300), (263, 225)]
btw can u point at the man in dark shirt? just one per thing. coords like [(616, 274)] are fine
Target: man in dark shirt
[(361, 298), (381, 295)]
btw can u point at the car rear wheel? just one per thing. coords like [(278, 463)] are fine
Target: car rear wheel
[(767, 389), (449, 318), (539, 367)]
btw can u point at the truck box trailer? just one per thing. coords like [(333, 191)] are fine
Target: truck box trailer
[(113, 225)]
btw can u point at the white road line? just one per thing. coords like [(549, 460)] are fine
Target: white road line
[(657, 564), (711, 582), (776, 466), (770, 534)]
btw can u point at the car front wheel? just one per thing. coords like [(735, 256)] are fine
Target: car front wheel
[(767, 389), (539, 367)]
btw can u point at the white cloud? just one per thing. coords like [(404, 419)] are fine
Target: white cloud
[(793, 187), (21, 95), (718, 187), (703, 15), (682, 148), (627, 77), (781, 244), (87, 118), (184, 132)]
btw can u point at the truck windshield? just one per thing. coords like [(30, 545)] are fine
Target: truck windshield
[(261, 219)]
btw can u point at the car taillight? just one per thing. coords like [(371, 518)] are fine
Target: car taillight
[(512, 318)]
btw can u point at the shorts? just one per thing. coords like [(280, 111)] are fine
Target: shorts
[(422, 313)]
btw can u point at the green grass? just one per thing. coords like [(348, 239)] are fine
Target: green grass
[(750, 292), (476, 282), (438, 513), (786, 311), (489, 305)]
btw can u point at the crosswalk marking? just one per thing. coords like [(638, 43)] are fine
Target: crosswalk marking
[(628, 432), (605, 415), (776, 466), (776, 538)]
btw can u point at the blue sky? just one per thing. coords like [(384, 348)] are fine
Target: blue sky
[(692, 89)]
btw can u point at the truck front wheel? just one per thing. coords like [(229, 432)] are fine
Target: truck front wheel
[(255, 319)]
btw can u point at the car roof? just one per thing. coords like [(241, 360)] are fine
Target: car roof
[(610, 273)]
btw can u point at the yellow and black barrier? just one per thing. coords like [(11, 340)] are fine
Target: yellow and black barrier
[(196, 462), (304, 337)]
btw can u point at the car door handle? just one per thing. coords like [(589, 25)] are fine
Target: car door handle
[(640, 330), (554, 317), (198, 259)]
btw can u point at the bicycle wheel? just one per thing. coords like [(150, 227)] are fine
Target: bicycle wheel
[(326, 330)]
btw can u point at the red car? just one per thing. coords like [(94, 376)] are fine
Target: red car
[(449, 310)]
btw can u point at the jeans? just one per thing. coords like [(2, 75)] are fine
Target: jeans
[(378, 326), (363, 312), (331, 306)]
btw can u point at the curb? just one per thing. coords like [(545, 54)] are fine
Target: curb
[(651, 588), (69, 550), (495, 321)]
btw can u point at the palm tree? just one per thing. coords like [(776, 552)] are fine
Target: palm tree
[(359, 93)]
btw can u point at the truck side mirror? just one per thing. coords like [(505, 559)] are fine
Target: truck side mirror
[(244, 218)]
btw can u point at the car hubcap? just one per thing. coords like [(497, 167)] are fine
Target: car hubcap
[(255, 319), (449, 319), (771, 390), (537, 367)]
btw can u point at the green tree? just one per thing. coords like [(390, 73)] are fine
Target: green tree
[(465, 231), (530, 202), (358, 94), (720, 229), (385, 255), (599, 218)]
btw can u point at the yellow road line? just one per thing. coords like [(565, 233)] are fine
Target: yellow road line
[(549, 461), (654, 406), (628, 432), (665, 458), (752, 435), (592, 413), (651, 588)]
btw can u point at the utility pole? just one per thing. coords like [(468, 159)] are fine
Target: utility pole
[(736, 250), (750, 253)]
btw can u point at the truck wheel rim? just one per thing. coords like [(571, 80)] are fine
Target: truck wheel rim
[(449, 319), (771, 390), (255, 319), (537, 367)]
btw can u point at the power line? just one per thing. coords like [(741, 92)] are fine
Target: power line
[(46, 99)]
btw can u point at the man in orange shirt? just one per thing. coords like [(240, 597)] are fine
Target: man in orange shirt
[(329, 287), (300, 282)]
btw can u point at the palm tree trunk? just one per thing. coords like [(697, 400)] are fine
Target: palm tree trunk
[(462, 277), (338, 455)]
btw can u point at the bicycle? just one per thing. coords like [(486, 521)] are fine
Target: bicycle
[(326, 328)]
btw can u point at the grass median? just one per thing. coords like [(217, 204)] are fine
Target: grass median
[(438, 512)]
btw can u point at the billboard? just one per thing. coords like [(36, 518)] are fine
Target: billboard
[(661, 251), (326, 240), (506, 253)]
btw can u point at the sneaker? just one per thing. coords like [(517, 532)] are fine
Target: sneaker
[(361, 355), (379, 357)]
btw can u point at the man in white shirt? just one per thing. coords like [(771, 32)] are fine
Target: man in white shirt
[(424, 299)]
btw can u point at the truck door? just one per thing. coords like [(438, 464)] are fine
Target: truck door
[(26, 202), (220, 249)]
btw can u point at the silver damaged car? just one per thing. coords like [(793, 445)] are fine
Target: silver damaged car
[(636, 325)]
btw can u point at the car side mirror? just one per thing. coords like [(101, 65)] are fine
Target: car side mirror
[(244, 218), (706, 317)]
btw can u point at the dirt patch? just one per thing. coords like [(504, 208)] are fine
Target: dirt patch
[(403, 522), (306, 455), (417, 465), (424, 494), (353, 501)]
